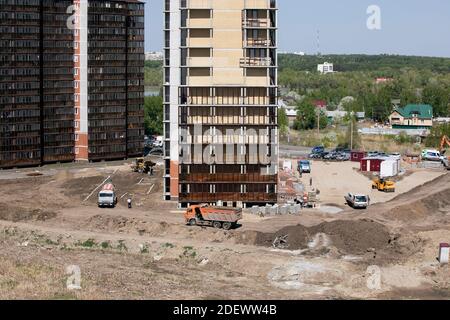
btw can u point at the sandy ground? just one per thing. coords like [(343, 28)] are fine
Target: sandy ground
[(50, 229), (336, 179)]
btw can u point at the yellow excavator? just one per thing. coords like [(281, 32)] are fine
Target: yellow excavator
[(142, 165), (383, 185)]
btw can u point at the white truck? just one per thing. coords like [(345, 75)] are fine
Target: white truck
[(107, 196), (357, 201)]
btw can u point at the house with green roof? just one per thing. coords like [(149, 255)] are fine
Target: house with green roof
[(412, 116)]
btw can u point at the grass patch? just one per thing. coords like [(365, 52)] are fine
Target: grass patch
[(89, 243), (188, 252), (121, 245), (105, 245)]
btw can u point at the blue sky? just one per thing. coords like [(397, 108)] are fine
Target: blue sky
[(412, 27)]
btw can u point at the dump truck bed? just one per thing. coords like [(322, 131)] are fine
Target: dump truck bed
[(221, 214)]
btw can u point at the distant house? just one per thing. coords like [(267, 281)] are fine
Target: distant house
[(325, 68), (320, 104), (291, 112), (382, 80), (412, 116), (339, 114)]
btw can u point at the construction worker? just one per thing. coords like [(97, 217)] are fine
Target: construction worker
[(129, 202)]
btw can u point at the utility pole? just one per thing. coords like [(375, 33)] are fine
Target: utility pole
[(318, 123), (351, 134)]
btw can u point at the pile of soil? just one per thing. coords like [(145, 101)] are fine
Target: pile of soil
[(123, 224), (435, 204), (16, 214), (348, 236), (81, 187)]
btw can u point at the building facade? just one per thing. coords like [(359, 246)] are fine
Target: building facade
[(412, 116), (325, 68), (67, 94), (220, 102)]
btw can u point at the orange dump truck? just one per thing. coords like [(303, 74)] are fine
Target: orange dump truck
[(217, 217)]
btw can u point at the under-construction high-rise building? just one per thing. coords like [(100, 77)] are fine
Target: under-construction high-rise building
[(220, 95), (71, 80)]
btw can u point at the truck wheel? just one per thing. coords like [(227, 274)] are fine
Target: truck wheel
[(217, 225), (192, 222), (227, 225)]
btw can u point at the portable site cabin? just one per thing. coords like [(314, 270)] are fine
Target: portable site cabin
[(389, 168), (371, 164), (357, 156), (385, 166)]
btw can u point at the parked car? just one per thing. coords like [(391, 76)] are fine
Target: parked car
[(431, 155), (304, 166), (343, 156), (155, 152), (330, 156), (318, 149), (372, 154), (315, 156)]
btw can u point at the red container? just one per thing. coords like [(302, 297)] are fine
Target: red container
[(371, 164), (357, 156)]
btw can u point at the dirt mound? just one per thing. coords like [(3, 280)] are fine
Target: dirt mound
[(432, 205), (348, 236), (355, 236), (81, 187), (123, 224), (16, 214)]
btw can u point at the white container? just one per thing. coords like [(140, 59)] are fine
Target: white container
[(287, 165), (444, 253), (389, 168)]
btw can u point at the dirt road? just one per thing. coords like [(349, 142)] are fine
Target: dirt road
[(336, 179)]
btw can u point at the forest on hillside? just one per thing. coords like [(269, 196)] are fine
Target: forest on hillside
[(412, 79)]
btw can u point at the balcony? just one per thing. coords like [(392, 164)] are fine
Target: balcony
[(260, 4), (228, 196), (256, 62), (228, 177), (258, 42), (262, 23)]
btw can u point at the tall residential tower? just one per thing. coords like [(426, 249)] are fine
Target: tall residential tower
[(71, 80), (220, 95)]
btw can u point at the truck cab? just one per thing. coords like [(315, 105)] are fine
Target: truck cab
[(304, 166), (107, 196)]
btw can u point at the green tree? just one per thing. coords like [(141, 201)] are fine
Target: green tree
[(283, 121), (323, 120), (437, 132), (153, 115), (306, 116), (438, 97)]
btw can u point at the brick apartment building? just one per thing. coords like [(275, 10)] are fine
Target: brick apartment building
[(221, 74), (67, 94)]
